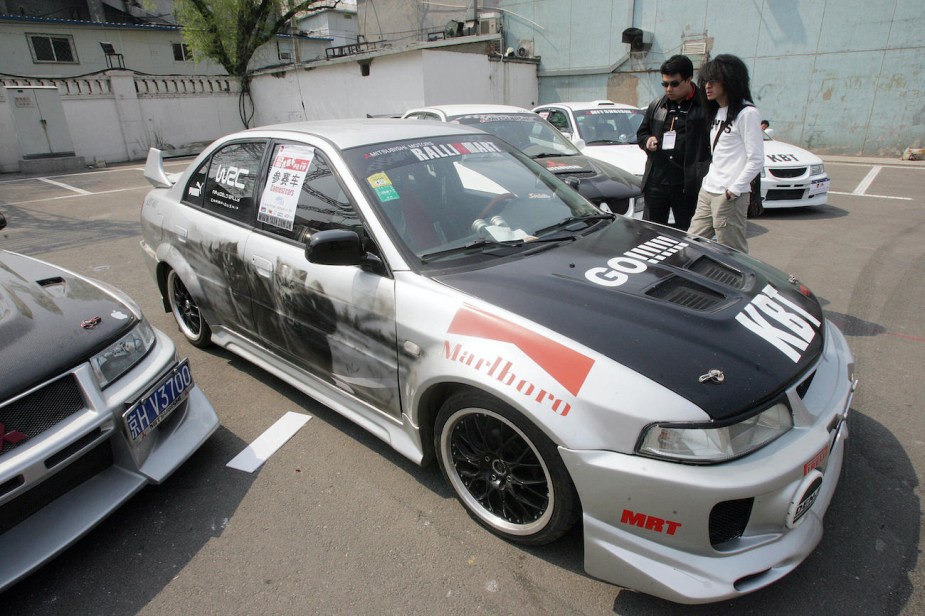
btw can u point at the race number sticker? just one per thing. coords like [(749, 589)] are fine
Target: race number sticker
[(281, 195), (382, 186)]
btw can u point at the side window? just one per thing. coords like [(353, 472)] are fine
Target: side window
[(302, 195), (229, 187), (192, 194), (559, 120)]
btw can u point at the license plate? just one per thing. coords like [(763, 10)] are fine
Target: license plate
[(157, 404), (818, 187)]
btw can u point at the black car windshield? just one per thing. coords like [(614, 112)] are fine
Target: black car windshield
[(608, 125), (527, 132), (474, 191)]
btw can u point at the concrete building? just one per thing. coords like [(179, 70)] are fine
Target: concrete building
[(836, 76)]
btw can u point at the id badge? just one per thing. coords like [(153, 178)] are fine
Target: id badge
[(668, 139)]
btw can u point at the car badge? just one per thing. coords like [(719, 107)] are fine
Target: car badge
[(13, 437), (714, 376), (91, 323), (118, 315)]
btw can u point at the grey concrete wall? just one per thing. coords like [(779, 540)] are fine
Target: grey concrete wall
[(836, 76)]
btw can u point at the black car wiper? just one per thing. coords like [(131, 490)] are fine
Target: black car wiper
[(565, 222), (472, 246), (606, 142)]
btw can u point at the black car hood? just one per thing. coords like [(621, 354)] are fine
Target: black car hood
[(597, 182), (669, 306), (42, 308)]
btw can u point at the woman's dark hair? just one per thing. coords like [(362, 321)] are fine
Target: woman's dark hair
[(733, 74)]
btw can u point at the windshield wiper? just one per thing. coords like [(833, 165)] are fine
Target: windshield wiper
[(607, 142), (472, 246), (565, 222)]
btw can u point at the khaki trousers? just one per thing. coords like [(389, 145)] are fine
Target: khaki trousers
[(727, 219)]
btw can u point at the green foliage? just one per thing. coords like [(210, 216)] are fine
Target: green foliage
[(230, 31)]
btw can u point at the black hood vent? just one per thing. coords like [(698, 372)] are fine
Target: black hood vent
[(714, 270), (688, 294)]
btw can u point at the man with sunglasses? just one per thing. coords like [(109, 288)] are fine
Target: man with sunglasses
[(674, 134)]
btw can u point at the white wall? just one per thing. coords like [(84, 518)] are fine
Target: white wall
[(396, 83), (117, 116)]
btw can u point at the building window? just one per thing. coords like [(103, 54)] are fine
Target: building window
[(52, 48), (284, 50), (181, 52)]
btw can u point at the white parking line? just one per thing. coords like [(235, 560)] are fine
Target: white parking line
[(79, 191), (269, 442), (851, 194), (861, 188), (102, 192)]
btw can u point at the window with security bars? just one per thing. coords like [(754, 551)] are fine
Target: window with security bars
[(52, 48)]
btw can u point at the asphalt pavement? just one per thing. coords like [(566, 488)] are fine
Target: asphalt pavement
[(336, 522)]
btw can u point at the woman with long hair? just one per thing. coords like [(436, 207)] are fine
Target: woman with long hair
[(738, 152)]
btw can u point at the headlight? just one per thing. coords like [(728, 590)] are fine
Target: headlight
[(120, 356), (816, 169), (702, 444)]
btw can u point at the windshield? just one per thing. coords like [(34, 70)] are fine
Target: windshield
[(473, 196), (527, 132), (608, 126)]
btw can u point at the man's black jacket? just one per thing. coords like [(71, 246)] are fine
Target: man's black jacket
[(696, 143)]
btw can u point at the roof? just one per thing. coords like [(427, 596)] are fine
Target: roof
[(352, 133), (452, 111), (598, 104)]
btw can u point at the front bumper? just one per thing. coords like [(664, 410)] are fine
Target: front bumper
[(101, 468), (658, 527), (793, 192)]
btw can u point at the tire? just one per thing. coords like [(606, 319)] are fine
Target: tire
[(504, 470), (187, 313)]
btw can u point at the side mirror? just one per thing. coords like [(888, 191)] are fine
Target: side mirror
[(2, 221), (579, 143), (339, 247)]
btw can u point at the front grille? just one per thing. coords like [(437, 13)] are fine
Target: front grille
[(785, 194), (685, 293), (42, 409), (788, 172), (705, 266), (89, 465), (729, 519)]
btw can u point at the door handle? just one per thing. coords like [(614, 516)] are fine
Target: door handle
[(263, 266), (181, 234)]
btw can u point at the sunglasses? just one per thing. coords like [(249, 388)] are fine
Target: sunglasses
[(673, 84)]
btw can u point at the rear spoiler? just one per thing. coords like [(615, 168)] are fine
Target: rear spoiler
[(154, 170)]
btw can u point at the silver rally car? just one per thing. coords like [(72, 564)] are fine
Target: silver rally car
[(685, 401), (95, 404)]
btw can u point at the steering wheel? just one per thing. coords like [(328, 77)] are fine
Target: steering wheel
[(495, 204)]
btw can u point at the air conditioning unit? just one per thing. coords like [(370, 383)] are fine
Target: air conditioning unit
[(490, 23)]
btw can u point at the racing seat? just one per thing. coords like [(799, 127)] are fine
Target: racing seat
[(413, 218)]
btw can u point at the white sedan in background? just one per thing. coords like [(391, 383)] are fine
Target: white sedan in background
[(603, 130), (792, 176)]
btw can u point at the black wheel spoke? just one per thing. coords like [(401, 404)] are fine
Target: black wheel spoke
[(499, 469)]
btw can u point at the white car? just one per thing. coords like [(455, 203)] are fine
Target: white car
[(603, 130), (792, 176), (607, 186), (683, 402)]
